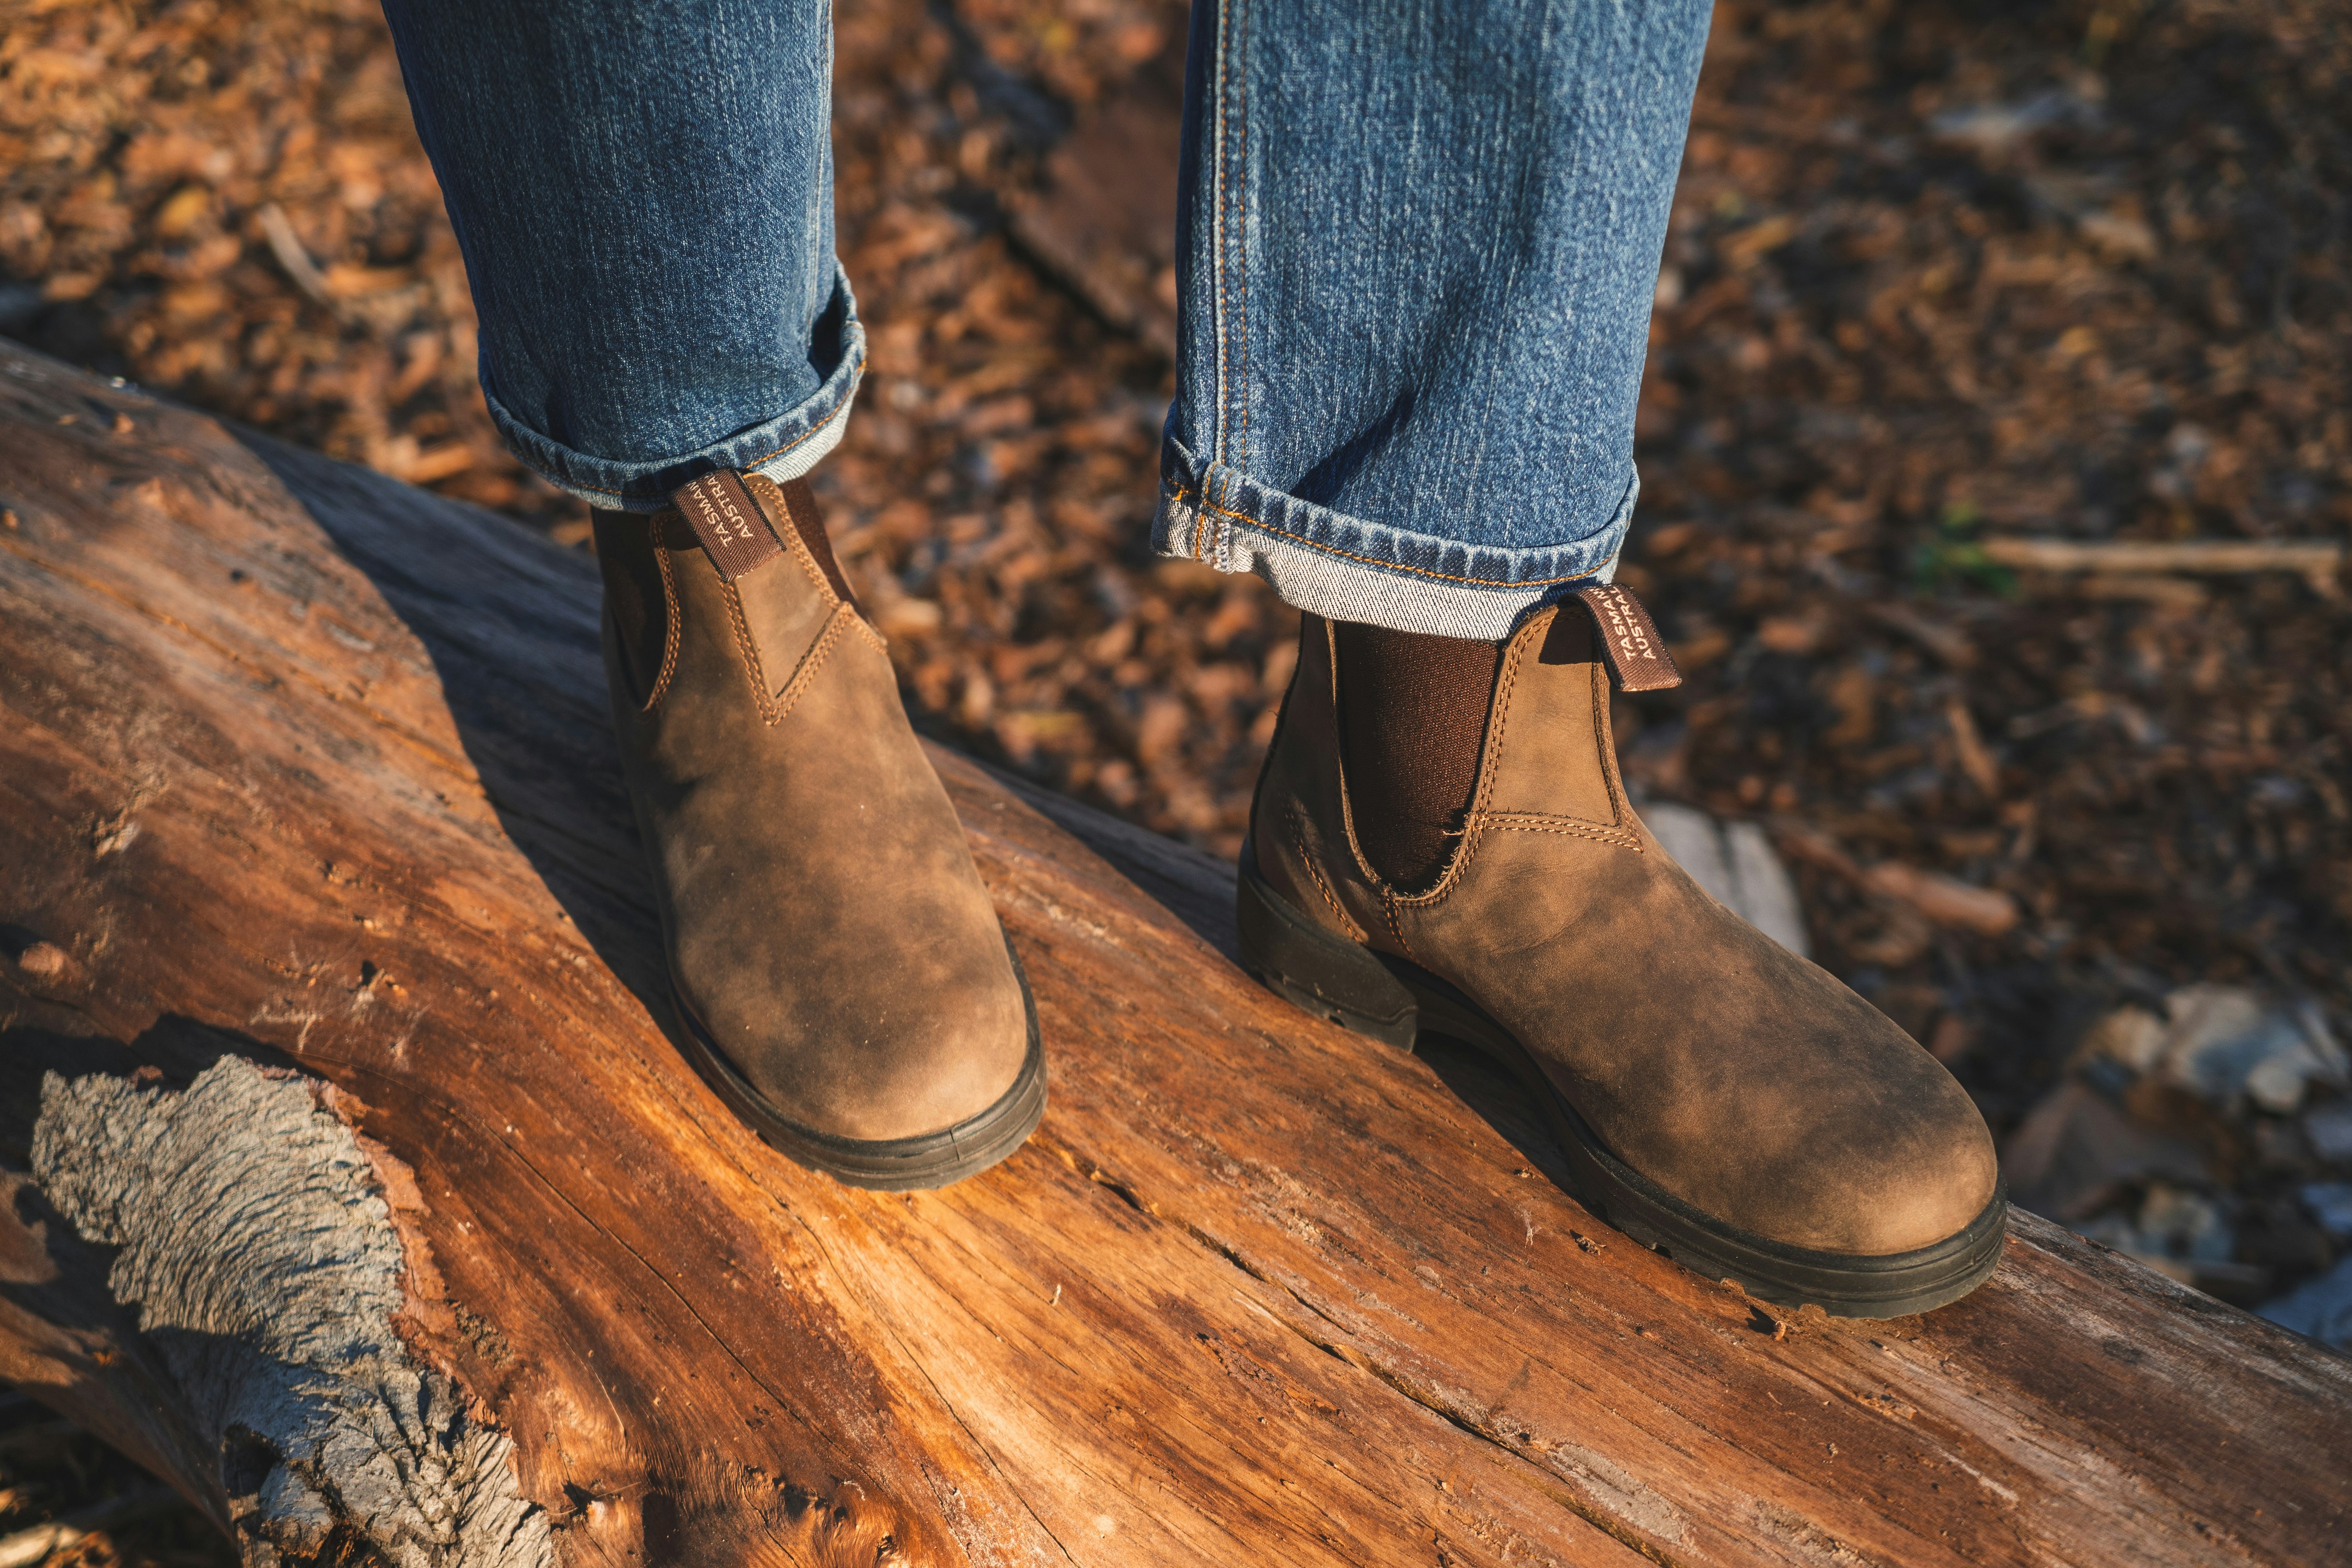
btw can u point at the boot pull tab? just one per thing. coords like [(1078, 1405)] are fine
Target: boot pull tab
[(1630, 639), (734, 530)]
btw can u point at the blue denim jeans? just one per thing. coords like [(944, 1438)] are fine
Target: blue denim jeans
[(1417, 246)]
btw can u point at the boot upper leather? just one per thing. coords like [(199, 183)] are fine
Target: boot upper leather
[(1740, 1078), (825, 921)]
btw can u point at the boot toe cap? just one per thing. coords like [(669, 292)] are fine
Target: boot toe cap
[(916, 1088), (906, 1065), (1880, 1185), (1921, 1200)]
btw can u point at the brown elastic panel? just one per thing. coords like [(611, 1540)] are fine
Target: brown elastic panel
[(633, 591), (1413, 717), (800, 505)]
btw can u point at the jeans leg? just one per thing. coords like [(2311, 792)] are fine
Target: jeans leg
[(1416, 248), (644, 193)]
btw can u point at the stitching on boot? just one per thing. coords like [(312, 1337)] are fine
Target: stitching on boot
[(1508, 685), (1339, 764), (1601, 734), (811, 662), (750, 651), (1396, 926), (1489, 764), (670, 613), (1531, 822), (789, 536), (1314, 874), (799, 550)]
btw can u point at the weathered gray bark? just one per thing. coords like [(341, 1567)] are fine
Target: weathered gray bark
[(262, 1261)]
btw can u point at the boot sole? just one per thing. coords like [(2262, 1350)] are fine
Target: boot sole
[(1395, 1001), (885, 1165)]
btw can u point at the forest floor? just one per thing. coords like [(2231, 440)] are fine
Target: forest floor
[(1945, 284)]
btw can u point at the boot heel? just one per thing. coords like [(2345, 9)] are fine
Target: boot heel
[(1319, 973)]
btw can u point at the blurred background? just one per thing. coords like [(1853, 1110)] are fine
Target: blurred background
[(1960, 302)]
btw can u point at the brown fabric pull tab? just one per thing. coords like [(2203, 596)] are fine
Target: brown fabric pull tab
[(735, 533), (1636, 652)]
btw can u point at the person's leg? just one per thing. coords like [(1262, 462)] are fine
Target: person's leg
[(643, 189), (1417, 250), (644, 193), (1418, 245)]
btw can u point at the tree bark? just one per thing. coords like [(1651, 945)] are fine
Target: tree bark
[(353, 1187)]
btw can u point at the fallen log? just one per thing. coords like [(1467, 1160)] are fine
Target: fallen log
[(354, 1187)]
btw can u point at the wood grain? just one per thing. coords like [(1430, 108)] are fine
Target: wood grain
[(302, 765)]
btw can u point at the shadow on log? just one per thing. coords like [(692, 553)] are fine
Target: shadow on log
[(354, 1188)]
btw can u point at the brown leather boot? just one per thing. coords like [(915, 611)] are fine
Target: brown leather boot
[(838, 970), (1718, 1097)]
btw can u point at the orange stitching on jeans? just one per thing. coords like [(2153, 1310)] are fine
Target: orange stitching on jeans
[(1241, 244), (1180, 493), (839, 410), (1217, 233)]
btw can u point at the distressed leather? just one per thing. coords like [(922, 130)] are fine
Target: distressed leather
[(823, 918), (1738, 1075)]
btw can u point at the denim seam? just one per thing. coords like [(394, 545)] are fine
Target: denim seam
[(558, 464), (1224, 337), (1240, 238), (840, 409), (1181, 494)]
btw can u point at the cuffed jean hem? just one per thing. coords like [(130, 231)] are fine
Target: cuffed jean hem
[(1347, 569), (782, 449)]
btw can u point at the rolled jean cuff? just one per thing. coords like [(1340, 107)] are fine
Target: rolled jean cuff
[(782, 449), (1347, 569)]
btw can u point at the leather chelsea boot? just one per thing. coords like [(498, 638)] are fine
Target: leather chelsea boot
[(1719, 1097), (838, 971)]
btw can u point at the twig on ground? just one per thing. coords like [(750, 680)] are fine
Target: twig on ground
[(1943, 900), (1947, 643), (286, 247), (2316, 561)]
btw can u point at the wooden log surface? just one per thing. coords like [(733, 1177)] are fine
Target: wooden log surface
[(355, 1187)]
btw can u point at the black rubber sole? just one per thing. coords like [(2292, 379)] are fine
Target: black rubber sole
[(885, 1165), (1395, 1002)]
